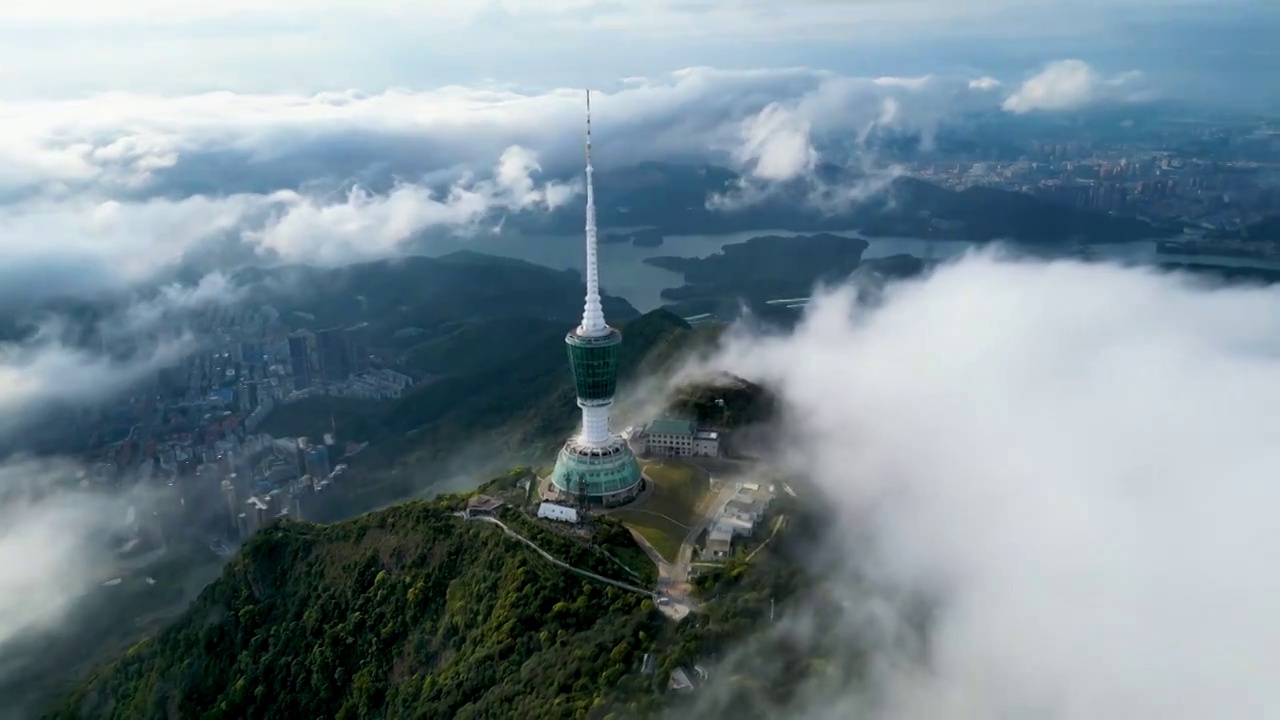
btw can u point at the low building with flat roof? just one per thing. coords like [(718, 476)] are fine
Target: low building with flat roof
[(483, 505), (559, 513), (719, 542), (680, 437)]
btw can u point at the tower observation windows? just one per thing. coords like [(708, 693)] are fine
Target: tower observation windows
[(595, 364)]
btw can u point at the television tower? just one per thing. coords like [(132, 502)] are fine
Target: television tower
[(596, 455)]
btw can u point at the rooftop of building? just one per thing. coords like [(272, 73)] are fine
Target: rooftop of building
[(484, 503), (673, 425), (744, 504), (734, 523)]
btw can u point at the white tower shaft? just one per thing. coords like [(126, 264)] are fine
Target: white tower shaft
[(593, 324), (595, 425)]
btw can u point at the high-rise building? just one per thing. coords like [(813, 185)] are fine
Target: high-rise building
[(596, 466), (300, 361), (335, 354), (357, 348)]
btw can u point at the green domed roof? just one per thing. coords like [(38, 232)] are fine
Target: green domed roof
[(600, 472)]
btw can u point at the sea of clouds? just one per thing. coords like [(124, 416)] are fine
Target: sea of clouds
[(1072, 461)]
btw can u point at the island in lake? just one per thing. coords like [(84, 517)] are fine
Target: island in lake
[(769, 268)]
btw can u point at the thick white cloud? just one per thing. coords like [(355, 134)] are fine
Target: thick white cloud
[(1070, 85), (42, 547), (776, 145), (1076, 460), (56, 543), (86, 243), (122, 139), (367, 226)]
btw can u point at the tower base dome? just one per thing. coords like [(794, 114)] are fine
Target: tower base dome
[(602, 475)]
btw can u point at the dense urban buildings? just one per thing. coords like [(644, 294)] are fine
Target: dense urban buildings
[(192, 431), (1214, 176), (595, 467)]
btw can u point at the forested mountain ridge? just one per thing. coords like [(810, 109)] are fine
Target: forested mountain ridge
[(415, 612), (409, 612)]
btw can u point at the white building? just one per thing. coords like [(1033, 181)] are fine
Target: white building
[(680, 438), (559, 513), (738, 526), (719, 541), (706, 443), (738, 518)]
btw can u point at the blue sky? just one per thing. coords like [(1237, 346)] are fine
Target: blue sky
[(1217, 50)]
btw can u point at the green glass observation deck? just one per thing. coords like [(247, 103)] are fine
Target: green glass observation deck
[(598, 476), (595, 365)]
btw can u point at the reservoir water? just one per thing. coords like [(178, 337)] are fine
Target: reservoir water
[(624, 274)]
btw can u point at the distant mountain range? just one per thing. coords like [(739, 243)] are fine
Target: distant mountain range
[(674, 199)]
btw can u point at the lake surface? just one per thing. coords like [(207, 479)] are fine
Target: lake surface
[(623, 273)]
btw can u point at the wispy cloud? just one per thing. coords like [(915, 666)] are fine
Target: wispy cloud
[(56, 542), (47, 371), (1071, 85)]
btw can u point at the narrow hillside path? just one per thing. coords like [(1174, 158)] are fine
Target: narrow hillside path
[(557, 561)]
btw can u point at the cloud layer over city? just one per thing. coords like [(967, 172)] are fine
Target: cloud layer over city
[(55, 545), (103, 192), (1074, 461)]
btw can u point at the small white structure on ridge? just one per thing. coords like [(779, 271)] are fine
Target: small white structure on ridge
[(559, 513)]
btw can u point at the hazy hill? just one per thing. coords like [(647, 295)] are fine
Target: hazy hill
[(497, 406), (673, 197), (434, 295)]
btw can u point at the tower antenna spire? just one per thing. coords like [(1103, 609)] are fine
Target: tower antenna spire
[(593, 324)]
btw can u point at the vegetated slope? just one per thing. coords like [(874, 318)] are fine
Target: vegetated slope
[(764, 268), (407, 612), (426, 293), (412, 612), (729, 402), (518, 409), (479, 346)]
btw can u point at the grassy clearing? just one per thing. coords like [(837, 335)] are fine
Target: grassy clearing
[(674, 508), (665, 537)]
